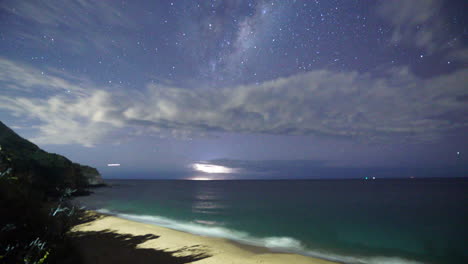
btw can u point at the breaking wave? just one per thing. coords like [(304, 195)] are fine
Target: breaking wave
[(282, 244)]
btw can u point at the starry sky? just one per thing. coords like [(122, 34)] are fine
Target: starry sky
[(157, 86)]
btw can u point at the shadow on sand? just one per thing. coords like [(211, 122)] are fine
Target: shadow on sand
[(106, 246), (102, 247)]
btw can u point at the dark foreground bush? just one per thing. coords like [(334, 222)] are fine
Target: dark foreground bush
[(33, 225)]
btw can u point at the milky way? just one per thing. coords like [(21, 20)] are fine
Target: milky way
[(351, 82)]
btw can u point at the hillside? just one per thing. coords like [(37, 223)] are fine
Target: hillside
[(48, 171)]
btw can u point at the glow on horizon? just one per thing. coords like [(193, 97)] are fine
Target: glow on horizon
[(113, 165), (200, 179), (210, 168)]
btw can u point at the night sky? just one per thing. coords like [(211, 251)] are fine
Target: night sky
[(160, 85)]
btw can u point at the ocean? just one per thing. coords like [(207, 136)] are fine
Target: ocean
[(350, 221)]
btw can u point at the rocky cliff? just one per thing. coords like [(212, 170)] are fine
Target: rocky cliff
[(47, 170), (92, 176)]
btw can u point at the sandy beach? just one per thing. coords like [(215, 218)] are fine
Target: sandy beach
[(109, 239)]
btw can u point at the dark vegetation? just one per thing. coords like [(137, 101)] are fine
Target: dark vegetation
[(35, 208), (34, 220), (36, 213)]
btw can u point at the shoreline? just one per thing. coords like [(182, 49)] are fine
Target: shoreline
[(170, 245)]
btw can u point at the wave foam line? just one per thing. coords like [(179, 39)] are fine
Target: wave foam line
[(285, 244)]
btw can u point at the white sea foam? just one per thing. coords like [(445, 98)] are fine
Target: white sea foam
[(207, 222), (282, 242), (390, 260), (285, 244)]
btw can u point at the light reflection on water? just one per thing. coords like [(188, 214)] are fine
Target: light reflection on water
[(207, 200), (379, 220)]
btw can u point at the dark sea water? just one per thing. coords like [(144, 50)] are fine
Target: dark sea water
[(352, 221)]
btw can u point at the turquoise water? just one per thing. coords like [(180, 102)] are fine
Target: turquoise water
[(352, 221)]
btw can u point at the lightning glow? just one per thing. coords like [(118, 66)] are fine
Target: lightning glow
[(210, 168)]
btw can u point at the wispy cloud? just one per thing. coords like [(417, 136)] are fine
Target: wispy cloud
[(78, 24), (20, 77), (68, 108), (416, 23), (421, 24), (66, 120), (317, 102), (390, 105), (460, 54)]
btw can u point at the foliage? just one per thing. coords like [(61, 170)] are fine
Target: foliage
[(33, 225), (35, 208), (44, 170)]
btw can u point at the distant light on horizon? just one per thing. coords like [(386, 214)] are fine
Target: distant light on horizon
[(200, 179), (113, 165), (210, 168)]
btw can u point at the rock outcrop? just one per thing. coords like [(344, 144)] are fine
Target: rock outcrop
[(92, 176), (30, 163)]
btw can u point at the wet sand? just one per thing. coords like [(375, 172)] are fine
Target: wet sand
[(109, 239)]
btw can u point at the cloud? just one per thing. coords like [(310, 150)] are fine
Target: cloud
[(318, 102), (77, 24), (460, 54), (416, 23), (269, 165), (69, 109), (382, 106), (24, 78), (65, 120)]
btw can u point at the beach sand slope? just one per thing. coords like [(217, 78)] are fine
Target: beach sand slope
[(109, 239)]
